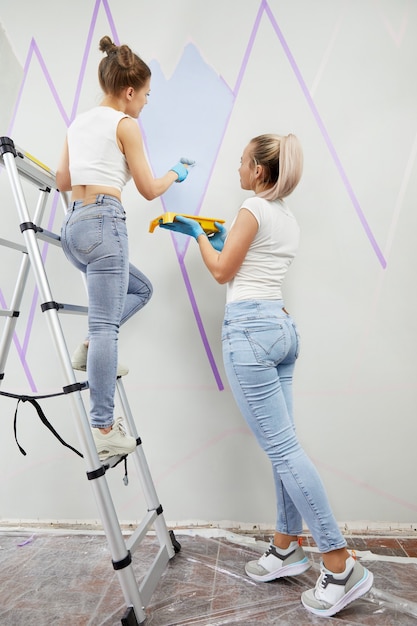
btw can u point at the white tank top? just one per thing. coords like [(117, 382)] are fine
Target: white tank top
[(94, 154), (270, 254)]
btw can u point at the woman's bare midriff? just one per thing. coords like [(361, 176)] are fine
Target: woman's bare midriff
[(88, 193)]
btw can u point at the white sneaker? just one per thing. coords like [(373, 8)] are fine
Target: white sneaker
[(273, 564), (79, 361), (335, 591), (116, 442)]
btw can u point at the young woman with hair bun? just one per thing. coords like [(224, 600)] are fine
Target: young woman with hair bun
[(103, 150)]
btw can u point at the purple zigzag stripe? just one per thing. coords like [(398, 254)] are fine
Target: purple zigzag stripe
[(263, 8), (325, 134), (34, 50), (88, 48), (181, 255), (19, 350)]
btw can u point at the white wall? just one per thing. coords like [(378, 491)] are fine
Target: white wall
[(339, 74)]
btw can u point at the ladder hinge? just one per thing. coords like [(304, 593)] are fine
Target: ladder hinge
[(75, 387), (28, 226), (51, 305), (123, 563), (96, 473), (7, 145)]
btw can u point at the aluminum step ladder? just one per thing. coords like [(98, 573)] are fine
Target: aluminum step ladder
[(21, 165)]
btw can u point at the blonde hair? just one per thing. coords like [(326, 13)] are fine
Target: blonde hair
[(282, 161), (120, 68)]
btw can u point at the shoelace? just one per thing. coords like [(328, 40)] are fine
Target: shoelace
[(269, 551), (121, 427), (321, 583)]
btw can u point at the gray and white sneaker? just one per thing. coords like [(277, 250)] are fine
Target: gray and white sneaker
[(276, 563), (116, 442), (335, 591)]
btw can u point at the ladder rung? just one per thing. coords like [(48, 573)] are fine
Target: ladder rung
[(134, 540), (72, 309), (11, 244), (154, 574), (8, 313), (48, 236)]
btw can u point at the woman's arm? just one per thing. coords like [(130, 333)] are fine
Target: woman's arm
[(129, 135), (224, 265), (63, 178)]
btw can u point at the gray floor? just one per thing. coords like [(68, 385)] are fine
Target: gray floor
[(67, 579)]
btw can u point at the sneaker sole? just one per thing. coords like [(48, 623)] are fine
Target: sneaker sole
[(359, 590), (288, 570)]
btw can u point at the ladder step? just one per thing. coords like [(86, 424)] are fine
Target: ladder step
[(11, 244), (147, 587), (139, 534), (8, 313)]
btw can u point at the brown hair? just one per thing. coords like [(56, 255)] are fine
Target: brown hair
[(120, 68), (282, 162)]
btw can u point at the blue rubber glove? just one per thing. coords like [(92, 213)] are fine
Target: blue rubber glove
[(184, 225), (217, 239), (180, 169)]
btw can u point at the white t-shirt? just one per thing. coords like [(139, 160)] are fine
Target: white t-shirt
[(94, 154), (270, 254)]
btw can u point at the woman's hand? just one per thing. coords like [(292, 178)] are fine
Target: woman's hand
[(184, 225)]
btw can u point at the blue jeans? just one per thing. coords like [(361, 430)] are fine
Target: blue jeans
[(260, 348), (94, 239)]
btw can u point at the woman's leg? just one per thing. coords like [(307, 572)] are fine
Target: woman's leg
[(253, 350), (139, 292), (94, 238), (259, 364)]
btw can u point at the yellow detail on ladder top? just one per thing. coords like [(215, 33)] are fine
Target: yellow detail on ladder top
[(36, 161)]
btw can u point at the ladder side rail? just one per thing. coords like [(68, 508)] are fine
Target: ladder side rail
[(10, 324), (144, 475), (152, 499), (120, 556)]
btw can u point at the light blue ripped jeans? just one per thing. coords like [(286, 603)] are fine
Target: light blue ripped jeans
[(94, 239), (260, 348)]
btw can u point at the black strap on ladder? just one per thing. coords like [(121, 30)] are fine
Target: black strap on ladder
[(33, 401)]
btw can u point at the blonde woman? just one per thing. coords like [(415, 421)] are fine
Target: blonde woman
[(260, 349)]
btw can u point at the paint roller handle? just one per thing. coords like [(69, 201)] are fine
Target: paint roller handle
[(181, 168)]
